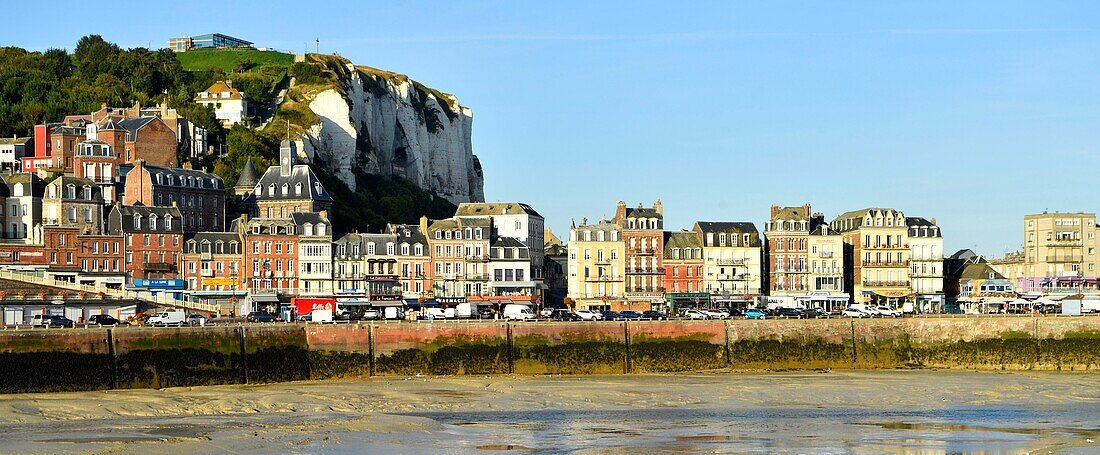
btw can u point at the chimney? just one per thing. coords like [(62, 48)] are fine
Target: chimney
[(659, 207), (775, 210), (934, 220), (806, 210), (187, 164), (424, 225), (323, 214)]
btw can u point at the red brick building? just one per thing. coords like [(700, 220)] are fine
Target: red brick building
[(198, 195), (683, 264), (643, 234), (101, 253), (62, 245), (214, 261), (270, 252), (153, 239)]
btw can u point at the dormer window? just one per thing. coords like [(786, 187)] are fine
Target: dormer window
[(298, 189), (271, 190), (168, 223), (308, 229), (479, 233), (286, 189), (321, 229), (137, 221), (153, 222), (88, 193)]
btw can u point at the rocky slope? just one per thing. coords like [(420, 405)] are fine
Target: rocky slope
[(376, 122)]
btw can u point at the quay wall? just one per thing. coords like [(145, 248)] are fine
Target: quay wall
[(145, 357)]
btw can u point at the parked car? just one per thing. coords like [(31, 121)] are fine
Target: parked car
[(546, 312), (855, 313), (629, 315), (261, 316), (486, 313), (790, 313), (196, 319), (609, 315), (755, 313), (813, 313), (51, 320), (371, 314), (562, 314), (654, 314), (104, 319), (887, 311), (716, 313), (589, 315), (694, 314)]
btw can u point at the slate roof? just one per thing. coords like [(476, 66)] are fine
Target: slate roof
[(681, 240), (299, 173), (494, 208), (791, 214), (414, 235), (915, 225), (15, 140), (176, 176), (508, 242), (121, 219), (64, 181), (249, 176), (133, 124), (730, 227), (642, 212), (37, 185)]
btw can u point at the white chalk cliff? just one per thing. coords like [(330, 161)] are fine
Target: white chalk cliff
[(384, 123)]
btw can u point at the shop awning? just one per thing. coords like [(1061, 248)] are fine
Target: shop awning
[(265, 298)]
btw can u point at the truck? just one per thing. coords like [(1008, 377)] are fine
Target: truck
[(518, 312), (1090, 305), (167, 318), (319, 309)]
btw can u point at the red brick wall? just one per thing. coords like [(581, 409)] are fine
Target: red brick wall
[(135, 263), (156, 144)]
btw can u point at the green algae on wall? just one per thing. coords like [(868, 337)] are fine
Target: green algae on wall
[(156, 358), (804, 352), (447, 354), (691, 352), (54, 361), (1074, 351), (276, 354), (575, 353)]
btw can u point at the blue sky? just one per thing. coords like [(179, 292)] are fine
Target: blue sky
[(972, 113)]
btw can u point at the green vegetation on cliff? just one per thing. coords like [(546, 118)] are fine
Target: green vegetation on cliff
[(40, 87)]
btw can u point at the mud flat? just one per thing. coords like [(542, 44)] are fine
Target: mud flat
[(882, 411)]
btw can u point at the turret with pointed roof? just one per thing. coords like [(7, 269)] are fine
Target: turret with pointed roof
[(247, 181)]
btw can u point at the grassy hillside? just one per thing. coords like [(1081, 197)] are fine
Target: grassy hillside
[(228, 60)]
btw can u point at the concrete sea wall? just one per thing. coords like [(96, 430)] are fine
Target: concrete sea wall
[(89, 359)]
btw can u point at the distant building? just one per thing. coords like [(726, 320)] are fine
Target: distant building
[(643, 233), (732, 262), (13, 150), (154, 239), (73, 202), (926, 263), (209, 40), (1059, 255), (683, 264), (597, 266), (286, 188), (230, 106), (199, 195)]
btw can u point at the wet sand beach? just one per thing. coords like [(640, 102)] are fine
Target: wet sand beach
[(894, 412)]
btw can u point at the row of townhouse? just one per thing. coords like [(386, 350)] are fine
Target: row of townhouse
[(873, 256)]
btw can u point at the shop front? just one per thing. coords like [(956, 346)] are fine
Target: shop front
[(686, 300)]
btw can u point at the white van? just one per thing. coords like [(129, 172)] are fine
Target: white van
[(464, 310), (392, 312), (517, 312), (167, 318)]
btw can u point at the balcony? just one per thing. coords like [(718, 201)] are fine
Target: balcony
[(733, 277), (886, 264), (644, 251), (739, 262), (158, 267), (645, 270), (482, 277), (603, 261), (886, 284), (603, 278), (1064, 242), (206, 256), (207, 272), (825, 254), (477, 258), (896, 246), (1064, 258)]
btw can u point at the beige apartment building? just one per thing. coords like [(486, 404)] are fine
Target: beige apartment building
[(877, 239), (731, 262), (597, 262), (1059, 254)]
